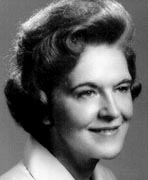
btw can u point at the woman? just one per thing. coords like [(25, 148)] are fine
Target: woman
[(72, 89)]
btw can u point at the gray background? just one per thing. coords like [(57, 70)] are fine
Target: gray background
[(131, 164)]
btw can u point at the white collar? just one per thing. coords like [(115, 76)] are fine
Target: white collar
[(42, 165)]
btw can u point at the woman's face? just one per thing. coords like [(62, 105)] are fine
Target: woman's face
[(93, 109)]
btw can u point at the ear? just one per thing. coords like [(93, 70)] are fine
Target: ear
[(43, 97), (46, 122), (44, 100)]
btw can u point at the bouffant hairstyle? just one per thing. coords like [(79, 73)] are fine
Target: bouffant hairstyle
[(48, 47)]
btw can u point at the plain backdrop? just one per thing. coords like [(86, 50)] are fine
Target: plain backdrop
[(131, 164)]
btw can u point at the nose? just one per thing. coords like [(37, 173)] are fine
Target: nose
[(109, 109)]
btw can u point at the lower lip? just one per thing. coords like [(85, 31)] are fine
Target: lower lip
[(106, 132)]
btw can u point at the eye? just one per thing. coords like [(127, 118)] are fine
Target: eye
[(124, 88), (86, 93)]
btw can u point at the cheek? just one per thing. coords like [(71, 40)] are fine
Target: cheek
[(73, 114), (126, 107)]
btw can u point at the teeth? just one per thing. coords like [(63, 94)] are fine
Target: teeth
[(105, 130)]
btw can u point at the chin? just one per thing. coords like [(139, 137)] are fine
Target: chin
[(111, 155), (110, 152), (113, 148)]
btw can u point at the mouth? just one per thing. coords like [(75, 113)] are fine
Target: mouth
[(105, 130)]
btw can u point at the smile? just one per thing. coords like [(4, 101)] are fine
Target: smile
[(106, 130)]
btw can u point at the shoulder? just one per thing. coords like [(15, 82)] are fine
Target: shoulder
[(18, 172), (103, 173)]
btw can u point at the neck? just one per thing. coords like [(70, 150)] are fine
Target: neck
[(80, 167)]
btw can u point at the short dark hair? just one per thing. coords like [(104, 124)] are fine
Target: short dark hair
[(48, 47)]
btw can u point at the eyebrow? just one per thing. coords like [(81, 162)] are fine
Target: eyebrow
[(125, 81), (93, 85)]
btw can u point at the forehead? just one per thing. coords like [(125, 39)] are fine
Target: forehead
[(101, 63)]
